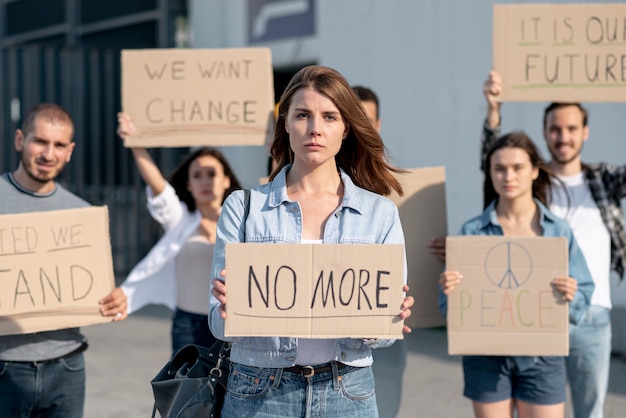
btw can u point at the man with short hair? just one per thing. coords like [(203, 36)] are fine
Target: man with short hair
[(369, 100), (589, 200), (389, 362), (43, 373)]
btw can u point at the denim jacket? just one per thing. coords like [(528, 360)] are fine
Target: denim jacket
[(607, 184), (362, 217), (552, 226)]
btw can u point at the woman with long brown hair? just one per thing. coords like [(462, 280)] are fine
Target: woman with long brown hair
[(327, 188), (516, 187)]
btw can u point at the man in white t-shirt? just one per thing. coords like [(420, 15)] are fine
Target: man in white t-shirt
[(589, 200)]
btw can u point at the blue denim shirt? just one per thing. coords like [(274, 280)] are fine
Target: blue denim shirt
[(362, 217), (552, 226)]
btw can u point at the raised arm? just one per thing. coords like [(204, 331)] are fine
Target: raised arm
[(492, 90), (148, 170)]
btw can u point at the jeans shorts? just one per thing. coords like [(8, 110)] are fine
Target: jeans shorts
[(536, 380)]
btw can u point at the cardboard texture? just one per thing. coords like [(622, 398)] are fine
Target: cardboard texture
[(560, 52), (314, 290), (505, 304), (54, 267), (190, 97), (423, 215)]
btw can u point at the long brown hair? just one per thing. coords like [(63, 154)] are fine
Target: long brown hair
[(542, 185), (363, 155), (179, 178)]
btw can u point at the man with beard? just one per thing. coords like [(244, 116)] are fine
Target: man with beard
[(43, 373), (589, 200)]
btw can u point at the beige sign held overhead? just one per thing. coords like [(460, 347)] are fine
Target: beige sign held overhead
[(561, 52), (423, 215), (54, 268), (189, 97), (505, 304), (314, 290)]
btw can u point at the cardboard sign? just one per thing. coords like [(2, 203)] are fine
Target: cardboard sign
[(561, 52), (188, 97), (314, 290), (505, 304), (54, 268), (423, 215)]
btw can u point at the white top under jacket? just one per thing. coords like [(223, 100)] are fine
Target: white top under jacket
[(153, 279)]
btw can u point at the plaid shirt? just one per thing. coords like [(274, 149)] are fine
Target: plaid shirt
[(607, 185)]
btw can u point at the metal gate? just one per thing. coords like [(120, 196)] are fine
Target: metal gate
[(87, 83)]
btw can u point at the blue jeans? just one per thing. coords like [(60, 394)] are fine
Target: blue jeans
[(589, 362), (388, 368), (269, 393), (190, 328), (54, 389)]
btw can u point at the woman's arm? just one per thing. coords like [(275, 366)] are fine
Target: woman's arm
[(230, 228), (148, 170)]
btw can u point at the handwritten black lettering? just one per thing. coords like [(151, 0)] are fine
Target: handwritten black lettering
[(594, 77), (264, 296), (225, 70), (17, 240), (52, 284), (351, 282), (181, 111), (291, 274), (176, 70), (330, 290), (157, 73), (264, 291), (575, 68), (555, 73), (22, 283), (66, 235), (534, 30), (57, 291), (611, 61), (82, 281), (362, 284), (380, 288), (599, 31)]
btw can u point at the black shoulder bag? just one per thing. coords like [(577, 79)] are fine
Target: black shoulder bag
[(193, 383)]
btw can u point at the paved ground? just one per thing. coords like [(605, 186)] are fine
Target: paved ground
[(124, 357)]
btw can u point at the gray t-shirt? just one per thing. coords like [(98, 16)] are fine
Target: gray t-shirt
[(40, 345)]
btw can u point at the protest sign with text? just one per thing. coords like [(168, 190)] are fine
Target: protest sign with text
[(189, 97), (314, 290), (505, 303), (561, 52), (54, 268)]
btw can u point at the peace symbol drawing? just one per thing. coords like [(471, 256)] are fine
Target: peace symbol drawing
[(508, 265)]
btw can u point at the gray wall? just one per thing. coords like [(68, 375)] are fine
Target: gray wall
[(427, 60)]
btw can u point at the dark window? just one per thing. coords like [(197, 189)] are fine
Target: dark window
[(58, 40), (138, 36), (95, 11), (26, 15)]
